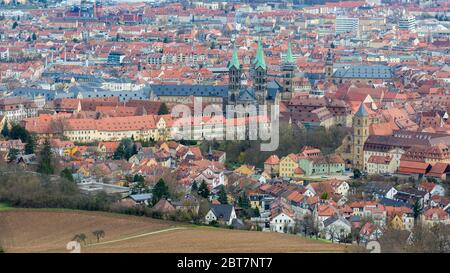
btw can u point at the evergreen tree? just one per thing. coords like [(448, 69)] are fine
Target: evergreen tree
[(125, 150), (33, 36), (194, 187), (203, 190), (138, 178), (5, 130), (18, 132), (163, 110), (45, 160), (30, 145), (67, 174), (223, 195), (14, 25), (12, 155), (243, 201), (160, 190), (357, 173), (417, 209), (133, 150)]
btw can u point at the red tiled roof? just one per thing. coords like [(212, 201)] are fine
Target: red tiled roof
[(412, 167), (272, 160)]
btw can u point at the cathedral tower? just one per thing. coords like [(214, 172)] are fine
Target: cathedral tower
[(288, 70), (260, 75), (234, 74)]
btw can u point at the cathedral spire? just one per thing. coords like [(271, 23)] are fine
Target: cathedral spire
[(234, 59), (289, 58), (259, 59)]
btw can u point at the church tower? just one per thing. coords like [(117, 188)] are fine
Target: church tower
[(329, 67), (287, 70), (360, 135), (234, 75), (260, 75)]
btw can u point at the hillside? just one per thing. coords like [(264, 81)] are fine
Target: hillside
[(26, 230)]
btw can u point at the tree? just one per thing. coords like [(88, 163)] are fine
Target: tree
[(163, 110), (14, 25), (45, 160), (223, 195), (133, 150), (138, 178), (33, 36), (30, 145), (357, 173), (67, 174), (18, 132), (125, 150), (99, 234), (12, 155), (160, 190), (324, 196), (203, 190), (194, 187), (5, 130), (417, 209), (80, 238), (243, 200)]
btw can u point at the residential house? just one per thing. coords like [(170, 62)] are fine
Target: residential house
[(379, 164), (379, 190), (288, 165), (221, 213), (143, 198), (370, 232), (433, 216), (401, 218), (432, 188), (107, 148), (439, 171), (164, 206), (336, 228), (320, 165), (282, 222), (272, 165)]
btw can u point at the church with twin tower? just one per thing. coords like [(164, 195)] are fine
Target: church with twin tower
[(262, 92)]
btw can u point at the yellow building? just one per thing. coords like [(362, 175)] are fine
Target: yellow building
[(255, 202), (117, 128), (397, 223), (288, 165)]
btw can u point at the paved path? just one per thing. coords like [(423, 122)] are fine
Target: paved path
[(137, 236)]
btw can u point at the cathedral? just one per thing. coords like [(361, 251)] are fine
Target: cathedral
[(262, 92)]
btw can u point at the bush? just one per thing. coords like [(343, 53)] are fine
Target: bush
[(42, 191), (214, 223), (156, 215)]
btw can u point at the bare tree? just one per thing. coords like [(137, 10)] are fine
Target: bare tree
[(80, 238), (99, 234)]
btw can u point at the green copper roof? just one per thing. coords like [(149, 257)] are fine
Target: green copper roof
[(259, 59), (234, 59), (289, 58)]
